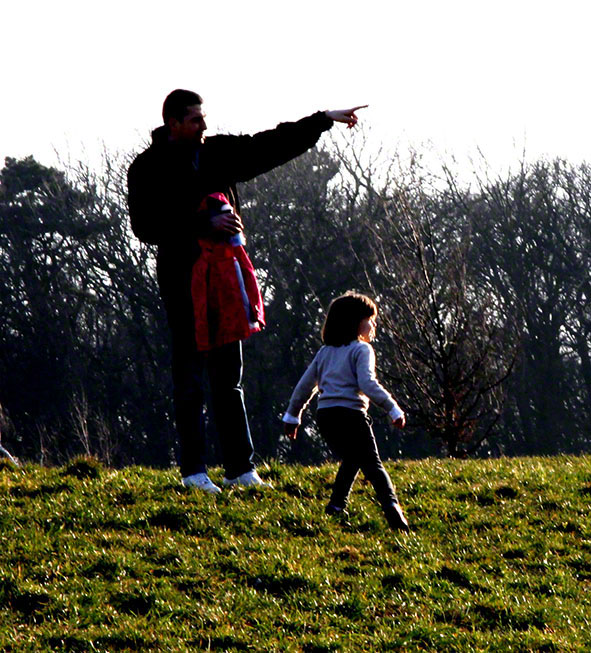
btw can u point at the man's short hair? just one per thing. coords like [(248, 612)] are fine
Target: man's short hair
[(177, 102)]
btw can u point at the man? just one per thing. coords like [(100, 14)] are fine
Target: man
[(166, 184)]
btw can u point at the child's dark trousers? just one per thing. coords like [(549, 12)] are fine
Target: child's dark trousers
[(349, 435)]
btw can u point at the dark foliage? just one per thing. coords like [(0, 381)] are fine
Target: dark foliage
[(484, 324)]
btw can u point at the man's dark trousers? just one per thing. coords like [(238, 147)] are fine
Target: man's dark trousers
[(223, 367)]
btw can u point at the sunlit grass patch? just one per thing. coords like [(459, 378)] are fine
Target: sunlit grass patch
[(499, 559)]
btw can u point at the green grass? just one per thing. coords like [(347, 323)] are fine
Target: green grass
[(94, 559)]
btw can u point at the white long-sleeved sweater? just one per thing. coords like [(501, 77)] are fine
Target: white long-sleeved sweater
[(343, 376)]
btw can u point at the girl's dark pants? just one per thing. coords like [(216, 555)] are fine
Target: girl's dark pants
[(349, 435)]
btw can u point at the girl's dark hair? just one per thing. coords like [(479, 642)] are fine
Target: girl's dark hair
[(176, 104), (345, 313)]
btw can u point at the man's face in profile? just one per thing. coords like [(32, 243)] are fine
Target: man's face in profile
[(192, 127)]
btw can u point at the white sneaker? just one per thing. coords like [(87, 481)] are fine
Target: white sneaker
[(248, 479), (202, 482)]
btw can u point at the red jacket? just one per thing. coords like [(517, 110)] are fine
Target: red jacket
[(220, 313)]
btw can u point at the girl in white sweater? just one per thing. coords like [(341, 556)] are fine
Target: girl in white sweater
[(343, 374)]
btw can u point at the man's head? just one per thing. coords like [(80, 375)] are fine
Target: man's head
[(183, 116)]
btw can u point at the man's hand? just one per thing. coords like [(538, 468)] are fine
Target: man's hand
[(228, 222), (291, 430), (346, 116), (400, 422)]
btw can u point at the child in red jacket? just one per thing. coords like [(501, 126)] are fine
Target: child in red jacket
[(227, 302)]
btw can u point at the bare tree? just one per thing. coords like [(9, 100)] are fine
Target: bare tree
[(534, 254), (79, 317), (483, 289), (454, 346), (449, 344)]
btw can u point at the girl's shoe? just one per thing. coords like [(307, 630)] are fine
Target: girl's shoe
[(396, 519), (335, 511)]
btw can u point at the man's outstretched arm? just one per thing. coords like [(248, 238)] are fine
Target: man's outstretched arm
[(240, 158)]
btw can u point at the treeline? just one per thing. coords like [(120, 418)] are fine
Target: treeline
[(483, 287)]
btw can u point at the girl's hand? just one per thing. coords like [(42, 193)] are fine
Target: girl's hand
[(400, 422), (346, 116), (291, 430)]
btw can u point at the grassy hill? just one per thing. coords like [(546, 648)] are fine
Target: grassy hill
[(94, 559)]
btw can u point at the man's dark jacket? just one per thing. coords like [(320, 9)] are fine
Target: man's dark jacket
[(167, 182)]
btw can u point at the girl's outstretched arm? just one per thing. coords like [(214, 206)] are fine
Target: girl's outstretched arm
[(306, 388), (370, 386)]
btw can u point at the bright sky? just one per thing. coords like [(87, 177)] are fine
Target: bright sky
[(498, 74)]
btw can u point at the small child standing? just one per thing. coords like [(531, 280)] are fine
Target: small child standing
[(343, 373)]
